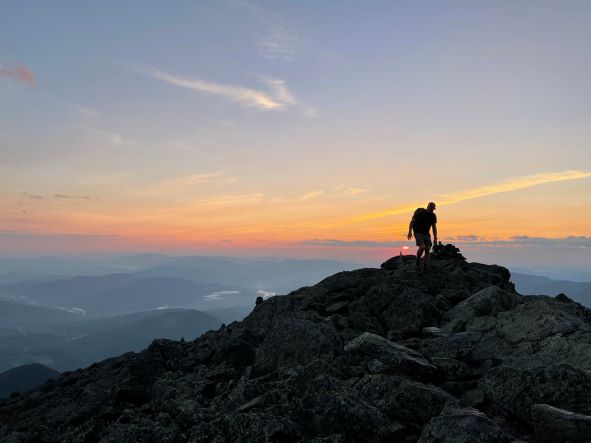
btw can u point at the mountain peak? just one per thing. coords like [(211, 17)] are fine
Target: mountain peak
[(388, 354)]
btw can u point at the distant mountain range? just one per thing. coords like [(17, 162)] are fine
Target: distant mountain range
[(66, 341), (529, 284), (28, 318), (115, 294), (203, 283), (69, 321), (24, 378)]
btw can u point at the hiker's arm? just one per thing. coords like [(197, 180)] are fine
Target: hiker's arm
[(409, 236), (435, 233)]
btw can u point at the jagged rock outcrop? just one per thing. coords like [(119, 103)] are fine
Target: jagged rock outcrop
[(373, 355)]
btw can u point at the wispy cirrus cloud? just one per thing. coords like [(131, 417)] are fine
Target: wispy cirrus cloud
[(112, 137), (310, 195), (348, 190), (508, 185), (19, 72), (514, 184), (60, 196), (226, 202), (353, 243), (33, 196), (466, 241), (196, 179), (277, 40), (571, 241), (75, 197), (279, 44), (186, 183), (84, 111), (277, 98)]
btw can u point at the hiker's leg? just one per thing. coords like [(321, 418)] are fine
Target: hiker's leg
[(428, 245), (427, 255), (420, 252)]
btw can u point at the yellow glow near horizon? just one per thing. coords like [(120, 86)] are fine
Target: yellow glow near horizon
[(258, 220)]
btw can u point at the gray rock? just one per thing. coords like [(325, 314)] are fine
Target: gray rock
[(463, 426), (472, 398), (517, 388), (404, 400), (432, 331), (458, 346), (487, 302), (397, 358), (554, 424), (338, 306), (454, 370)]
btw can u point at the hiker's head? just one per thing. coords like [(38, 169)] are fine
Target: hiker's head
[(431, 206)]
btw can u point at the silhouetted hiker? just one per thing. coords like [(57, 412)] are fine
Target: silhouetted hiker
[(422, 221)]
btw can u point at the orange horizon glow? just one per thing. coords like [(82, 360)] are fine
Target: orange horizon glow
[(256, 222)]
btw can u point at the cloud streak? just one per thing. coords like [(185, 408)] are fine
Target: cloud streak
[(33, 196), (75, 197), (467, 241), (278, 40), (19, 72), (279, 44), (310, 195), (509, 185), (60, 196), (187, 183), (278, 97), (515, 184)]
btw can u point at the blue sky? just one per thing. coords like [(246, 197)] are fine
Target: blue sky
[(219, 124)]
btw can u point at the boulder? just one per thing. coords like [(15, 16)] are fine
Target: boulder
[(402, 399), (454, 370), (487, 302), (517, 388), (433, 331), (463, 425), (554, 424), (458, 346), (398, 359)]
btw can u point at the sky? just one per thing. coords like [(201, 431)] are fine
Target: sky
[(301, 128)]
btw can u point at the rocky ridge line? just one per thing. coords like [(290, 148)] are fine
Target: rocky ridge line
[(372, 355)]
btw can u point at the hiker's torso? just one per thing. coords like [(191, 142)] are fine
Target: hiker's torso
[(423, 220)]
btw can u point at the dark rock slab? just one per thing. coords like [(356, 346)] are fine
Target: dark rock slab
[(517, 388), (487, 302), (466, 425), (397, 359), (554, 424), (402, 399), (454, 370)]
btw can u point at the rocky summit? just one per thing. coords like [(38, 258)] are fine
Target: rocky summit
[(453, 354)]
